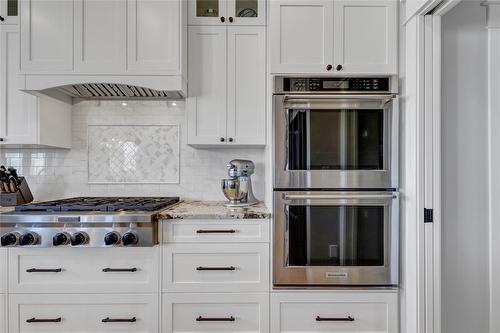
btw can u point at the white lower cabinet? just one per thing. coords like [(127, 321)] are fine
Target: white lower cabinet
[(3, 272), (84, 270), (339, 312), (83, 313), (216, 267), (3, 314), (187, 312)]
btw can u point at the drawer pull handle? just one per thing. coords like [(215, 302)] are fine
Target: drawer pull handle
[(201, 268), (127, 320), (349, 318), (112, 270), (200, 318), (34, 320), (37, 270), (230, 231)]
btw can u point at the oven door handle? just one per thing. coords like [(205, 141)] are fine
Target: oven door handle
[(336, 196), (387, 97)]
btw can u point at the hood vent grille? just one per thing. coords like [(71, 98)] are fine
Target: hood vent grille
[(116, 91)]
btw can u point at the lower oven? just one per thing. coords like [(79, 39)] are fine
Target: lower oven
[(336, 238)]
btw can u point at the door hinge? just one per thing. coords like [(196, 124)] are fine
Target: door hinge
[(428, 215)]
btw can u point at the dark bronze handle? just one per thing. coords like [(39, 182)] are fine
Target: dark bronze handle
[(329, 67), (231, 19), (231, 139), (2, 19), (1, 139), (349, 318), (229, 231), (200, 318), (339, 67), (110, 270), (201, 268), (36, 270), (222, 19), (34, 320), (111, 320), (222, 139)]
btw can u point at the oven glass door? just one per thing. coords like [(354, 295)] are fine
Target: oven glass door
[(344, 238), (335, 142)]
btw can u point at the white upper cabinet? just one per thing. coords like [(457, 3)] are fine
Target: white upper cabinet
[(301, 36), (366, 35), (334, 36), (9, 10), (227, 86), (227, 12)]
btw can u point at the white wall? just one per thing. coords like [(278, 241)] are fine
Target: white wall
[(465, 282), (55, 173)]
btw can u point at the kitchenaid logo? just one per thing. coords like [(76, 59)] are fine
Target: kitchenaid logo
[(336, 275)]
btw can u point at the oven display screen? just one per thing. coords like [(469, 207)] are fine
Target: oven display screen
[(335, 84)]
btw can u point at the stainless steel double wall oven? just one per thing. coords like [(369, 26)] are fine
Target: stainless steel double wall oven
[(336, 204)]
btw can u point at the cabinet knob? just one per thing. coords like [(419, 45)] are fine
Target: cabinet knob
[(222, 139), (231, 140), (222, 19), (339, 67), (231, 19), (329, 67), (1, 139), (2, 19)]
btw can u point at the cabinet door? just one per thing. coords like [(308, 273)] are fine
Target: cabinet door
[(208, 12), (301, 36), (154, 44), (3, 311), (46, 35), (366, 36), (100, 36), (246, 12), (18, 110), (206, 105), (9, 10), (246, 82)]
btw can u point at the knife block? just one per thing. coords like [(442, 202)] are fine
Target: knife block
[(20, 197)]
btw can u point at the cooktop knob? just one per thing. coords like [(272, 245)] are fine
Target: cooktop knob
[(112, 238), (10, 239), (61, 238), (79, 238), (29, 238), (130, 238)]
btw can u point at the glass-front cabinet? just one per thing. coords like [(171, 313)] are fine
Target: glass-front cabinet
[(9, 10), (229, 12)]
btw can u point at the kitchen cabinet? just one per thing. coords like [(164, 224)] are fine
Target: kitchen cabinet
[(227, 12), (227, 86), (3, 312), (26, 119), (334, 36), (9, 10)]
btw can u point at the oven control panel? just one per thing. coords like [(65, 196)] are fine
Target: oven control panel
[(336, 84)]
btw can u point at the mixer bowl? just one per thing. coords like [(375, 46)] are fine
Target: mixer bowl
[(233, 190)]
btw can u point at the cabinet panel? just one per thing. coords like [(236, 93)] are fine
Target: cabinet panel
[(3, 311), (9, 11), (207, 12), (301, 34), (154, 36), (18, 113), (83, 313), (246, 12), (100, 35), (206, 105), (3, 271), (366, 36), (47, 47), (246, 108)]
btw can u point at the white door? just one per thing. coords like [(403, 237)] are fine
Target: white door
[(301, 36), (206, 104), (365, 35), (100, 36), (207, 12), (18, 110), (246, 12), (9, 10), (47, 35), (246, 84), (154, 36)]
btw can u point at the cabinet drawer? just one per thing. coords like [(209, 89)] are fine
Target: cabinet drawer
[(215, 313), (216, 267), (216, 231), (335, 312), (85, 270), (83, 313)]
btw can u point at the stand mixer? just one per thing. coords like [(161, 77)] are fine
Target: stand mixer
[(238, 188)]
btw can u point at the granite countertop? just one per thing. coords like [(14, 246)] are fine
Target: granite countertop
[(189, 209), (6, 209)]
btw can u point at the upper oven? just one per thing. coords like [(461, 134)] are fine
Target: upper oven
[(336, 133)]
